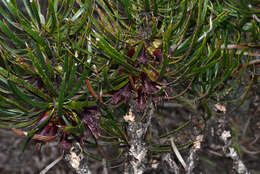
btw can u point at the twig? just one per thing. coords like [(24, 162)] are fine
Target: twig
[(46, 169), (255, 140), (91, 89), (177, 153), (247, 53), (233, 46), (215, 153), (180, 94), (252, 62), (35, 136), (244, 149), (171, 163), (246, 126)]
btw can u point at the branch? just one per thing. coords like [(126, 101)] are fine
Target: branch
[(138, 123), (173, 167), (193, 155), (230, 152), (218, 129), (77, 160), (233, 46)]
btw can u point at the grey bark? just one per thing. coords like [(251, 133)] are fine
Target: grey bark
[(218, 130), (230, 152), (170, 163), (78, 160), (138, 123), (193, 158)]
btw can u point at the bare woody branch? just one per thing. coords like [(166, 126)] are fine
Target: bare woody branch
[(77, 160), (170, 163), (230, 152), (194, 154), (138, 123)]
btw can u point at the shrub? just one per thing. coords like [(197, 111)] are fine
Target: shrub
[(83, 68)]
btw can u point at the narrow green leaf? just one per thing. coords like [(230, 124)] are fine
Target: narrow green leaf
[(207, 109), (204, 11), (115, 55), (26, 98), (39, 56), (72, 129), (52, 16), (12, 102), (78, 84), (5, 74), (215, 23), (147, 5), (29, 11), (227, 73), (36, 13), (71, 77), (61, 95), (177, 129), (34, 131), (11, 7), (129, 12), (116, 128), (42, 73), (8, 18), (79, 105), (166, 42), (117, 87), (9, 112), (37, 38), (78, 13), (4, 28), (25, 124), (137, 51), (206, 67)]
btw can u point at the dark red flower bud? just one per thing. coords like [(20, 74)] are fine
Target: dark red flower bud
[(131, 52), (91, 123), (158, 55), (121, 71), (149, 87), (116, 97), (142, 57), (39, 84)]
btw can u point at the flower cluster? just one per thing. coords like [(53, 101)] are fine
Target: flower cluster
[(56, 127), (144, 85)]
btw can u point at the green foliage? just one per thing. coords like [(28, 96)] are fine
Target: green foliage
[(41, 69), (123, 50)]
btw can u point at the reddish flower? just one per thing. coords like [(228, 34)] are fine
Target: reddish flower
[(131, 52), (142, 57), (90, 122), (39, 84), (158, 55), (122, 94)]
